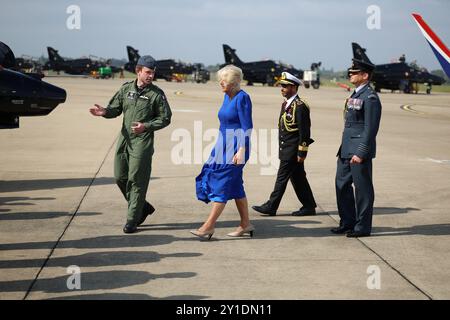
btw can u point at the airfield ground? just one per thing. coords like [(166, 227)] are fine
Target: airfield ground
[(60, 207)]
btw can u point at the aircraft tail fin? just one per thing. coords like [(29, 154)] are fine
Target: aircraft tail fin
[(7, 59), (440, 50), (231, 56), (360, 53), (133, 54), (53, 55)]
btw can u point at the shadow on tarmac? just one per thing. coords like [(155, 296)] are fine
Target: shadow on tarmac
[(48, 184), (100, 280), (98, 259), (11, 201), (109, 242), (126, 296), (393, 210), (384, 210), (425, 230), (42, 215), (19, 201)]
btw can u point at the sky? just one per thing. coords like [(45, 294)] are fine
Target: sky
[(297, 32)]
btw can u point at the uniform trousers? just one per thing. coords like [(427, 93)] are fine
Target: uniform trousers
[(294, 171), (132, 175), (355, 206)]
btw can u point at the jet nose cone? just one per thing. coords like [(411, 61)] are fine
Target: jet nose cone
[(53, 93), (440, 80)]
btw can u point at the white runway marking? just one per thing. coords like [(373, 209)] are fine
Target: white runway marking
[(436, 161)]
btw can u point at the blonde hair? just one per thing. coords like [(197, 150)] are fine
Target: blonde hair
[(231, 75)]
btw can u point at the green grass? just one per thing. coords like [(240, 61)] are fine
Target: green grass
[(441, 88)]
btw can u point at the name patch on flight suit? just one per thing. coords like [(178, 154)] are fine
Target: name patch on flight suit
[(131, 95), (144, 97), (354, 104)]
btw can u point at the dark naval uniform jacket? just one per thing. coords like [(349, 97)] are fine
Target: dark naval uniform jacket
[(362, 113), (294, 131)]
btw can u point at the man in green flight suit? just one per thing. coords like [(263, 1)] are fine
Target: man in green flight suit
[(145, 109)]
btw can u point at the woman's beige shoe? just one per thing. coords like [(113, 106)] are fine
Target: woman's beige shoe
[(242, 232), (205, 235)]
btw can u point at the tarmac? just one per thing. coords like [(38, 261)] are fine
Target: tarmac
[(61, 214)]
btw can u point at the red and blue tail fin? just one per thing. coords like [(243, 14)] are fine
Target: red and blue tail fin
[(439, 48)]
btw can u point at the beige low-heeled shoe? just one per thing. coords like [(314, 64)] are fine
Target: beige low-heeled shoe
[(250, 229), (205, 235)]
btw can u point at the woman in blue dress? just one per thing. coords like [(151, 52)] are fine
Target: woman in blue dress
[(221, 177)]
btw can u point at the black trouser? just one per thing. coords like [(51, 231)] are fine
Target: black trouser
[(294, 171), (355, 214)]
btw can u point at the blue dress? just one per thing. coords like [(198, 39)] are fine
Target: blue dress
[(220, 180)]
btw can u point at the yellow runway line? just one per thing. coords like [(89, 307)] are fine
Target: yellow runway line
[(407, 107)]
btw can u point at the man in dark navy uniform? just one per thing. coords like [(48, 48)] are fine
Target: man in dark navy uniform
[(362, 115), (294, 127)]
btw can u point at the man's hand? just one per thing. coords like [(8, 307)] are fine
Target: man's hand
[(137, 127), (97, 110), (356, 159), (300, 159)]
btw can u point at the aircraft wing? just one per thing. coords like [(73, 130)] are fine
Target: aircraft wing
[(440, 50)]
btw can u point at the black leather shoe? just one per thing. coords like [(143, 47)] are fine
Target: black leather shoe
[(304, 212), (264, 210), (341, 230), (130, 227), (357, 234), (148, 210)]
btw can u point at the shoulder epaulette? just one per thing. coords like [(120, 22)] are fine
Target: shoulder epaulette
[(304, 102)]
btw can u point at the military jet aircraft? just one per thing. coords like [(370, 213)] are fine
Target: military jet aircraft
[(264, 71), (398, 75), (116, 65), (165, 69), (22, 94), (82, 66), (200, 74), (28, 65)]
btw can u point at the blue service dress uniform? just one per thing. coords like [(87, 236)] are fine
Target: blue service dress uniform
[(220, 179), (362, 114)]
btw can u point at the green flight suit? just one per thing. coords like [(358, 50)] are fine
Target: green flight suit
[(133, 160)]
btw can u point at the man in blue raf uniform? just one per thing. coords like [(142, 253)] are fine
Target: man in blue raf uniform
[(294, 138), (362, 114)]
